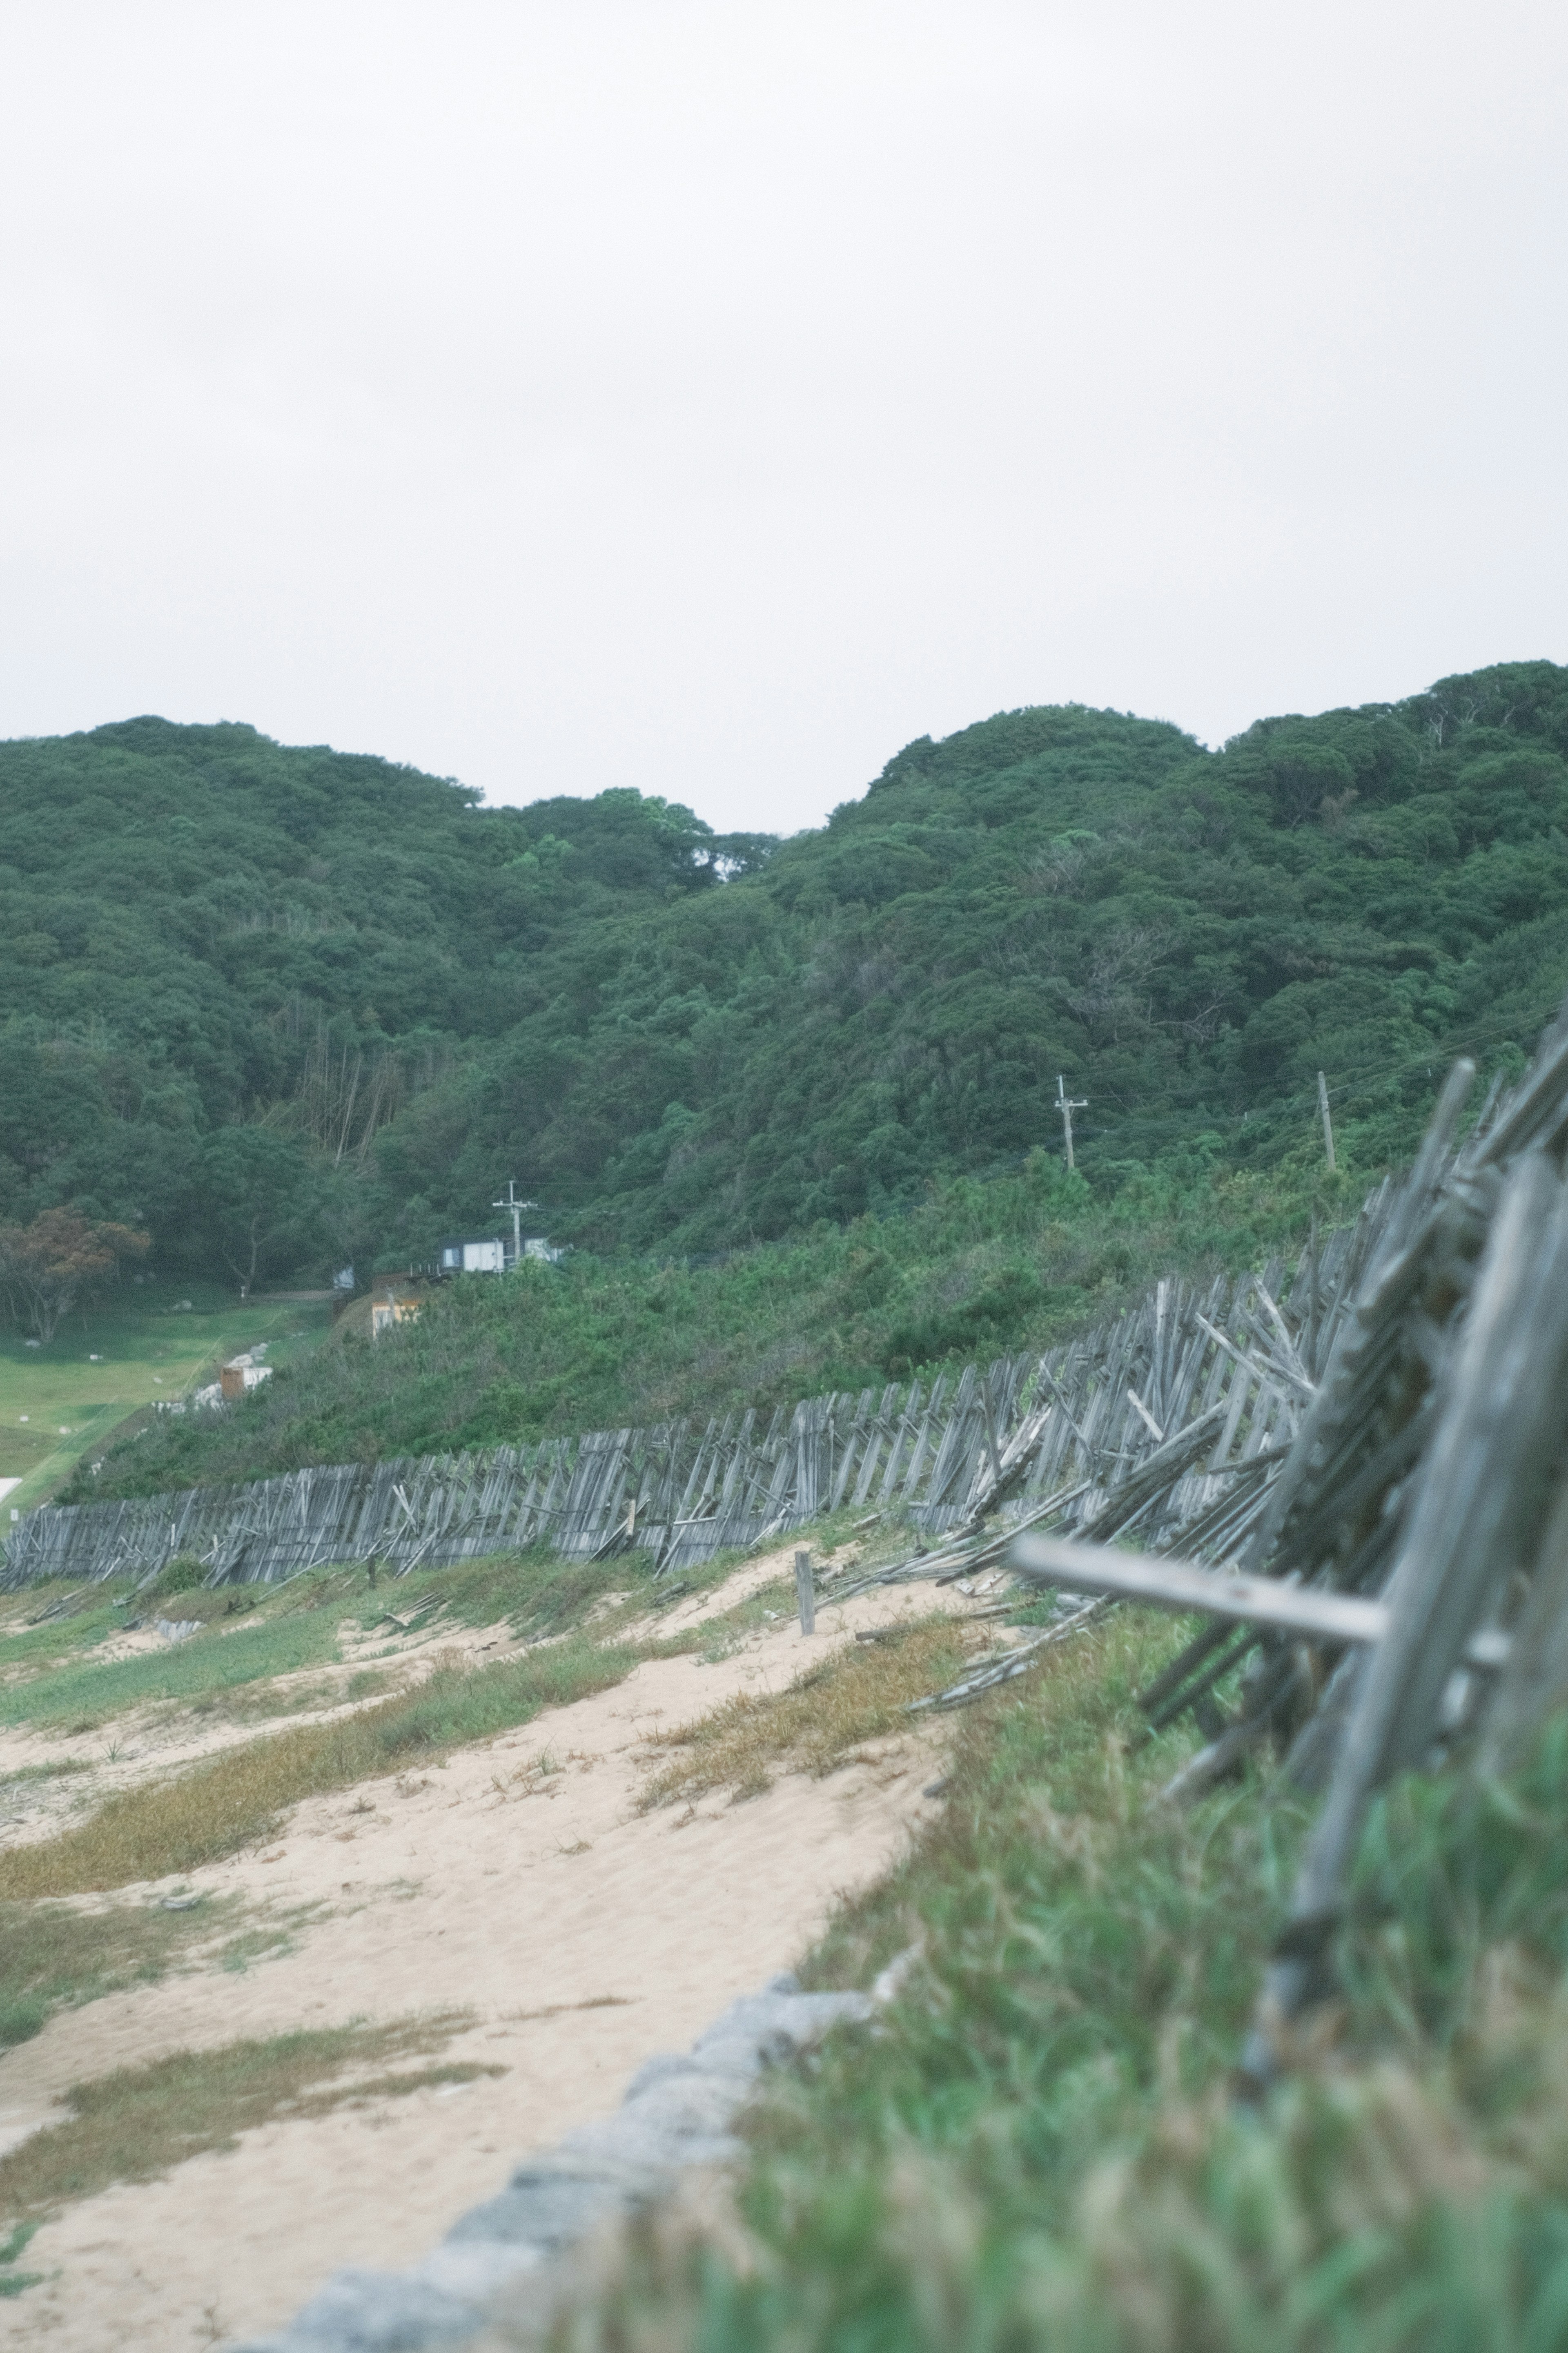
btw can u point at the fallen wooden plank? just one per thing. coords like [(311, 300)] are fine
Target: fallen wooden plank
[(1006, 1668), (1184, 1584), (1258, 1601)]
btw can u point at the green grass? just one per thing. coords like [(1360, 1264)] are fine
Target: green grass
[(87, 1614), (53, 1956), (1040, 2145), (11, 2282), (148, 1351), (139, 2123), (252, 1634), (976, 1268), (234, 1800), (816, 1724), (229, 1801), (534, 1591), (88, 1692), (53, 1769)]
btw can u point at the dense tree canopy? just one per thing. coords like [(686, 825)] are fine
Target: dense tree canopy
[(61, 1258), (305, 1004)]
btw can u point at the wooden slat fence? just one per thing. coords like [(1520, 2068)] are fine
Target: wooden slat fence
[(1079, 1424)]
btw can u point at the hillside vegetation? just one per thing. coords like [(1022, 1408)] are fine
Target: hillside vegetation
[(278, 1006), (976, 1269), (1041, 2144)]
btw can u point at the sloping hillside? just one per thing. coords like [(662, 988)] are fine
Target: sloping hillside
[(329, 1003)]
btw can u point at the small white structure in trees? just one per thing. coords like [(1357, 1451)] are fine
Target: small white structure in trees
[(472, 1254)]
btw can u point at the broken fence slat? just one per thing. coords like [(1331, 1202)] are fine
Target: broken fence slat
[(1011, 1664), (1255, 1600), (1184, 1584)]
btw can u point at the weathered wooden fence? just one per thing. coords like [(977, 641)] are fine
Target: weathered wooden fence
[(1172, 1410), (1399, 1598)]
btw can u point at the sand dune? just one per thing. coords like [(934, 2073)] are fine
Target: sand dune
[(583, 1935)]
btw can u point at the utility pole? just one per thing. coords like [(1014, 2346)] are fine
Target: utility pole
[(1067, 1105), (517, 1208), (1327, 1122)]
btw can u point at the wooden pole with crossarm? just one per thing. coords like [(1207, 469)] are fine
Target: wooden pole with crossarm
[(1067, 1105)]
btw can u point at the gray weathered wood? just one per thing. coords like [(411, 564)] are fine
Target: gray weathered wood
[(805, 1592), (1184, 1584)]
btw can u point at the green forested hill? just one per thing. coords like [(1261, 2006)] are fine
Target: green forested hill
[(226, 968), (331, 1005)]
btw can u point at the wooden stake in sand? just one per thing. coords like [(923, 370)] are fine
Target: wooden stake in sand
[(805, 1592)]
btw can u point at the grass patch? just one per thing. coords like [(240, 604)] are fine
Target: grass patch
[(90, 1692), (532, 1590), (51, 1769), (541, 1595), (272, 1939), (55, 1958), (208, 1605), (141, 2122), (235, 1799), (1040, 2145), (56, 1621), (255, 1702), (13, 2282), (818, 1724), (144, 1353)]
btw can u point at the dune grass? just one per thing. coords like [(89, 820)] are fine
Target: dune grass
[(56, 1620), (53, 1956), (12, 2281), (231, 1671), (139, 2123), (86, 1693), (820, 1722), (235, 1799), (252, 1635), (49, 1768), (1041, 2144)]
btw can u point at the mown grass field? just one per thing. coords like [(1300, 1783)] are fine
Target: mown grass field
[(57, 1405)]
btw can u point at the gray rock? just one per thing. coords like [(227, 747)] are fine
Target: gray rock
[(667, 2063), (476, 2271), (546, 2211), (650, 2142), (375, 2312), (696, 2103), (677, 2112), (771, 2027)]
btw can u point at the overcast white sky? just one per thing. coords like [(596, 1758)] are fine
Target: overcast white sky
[(711, 398)]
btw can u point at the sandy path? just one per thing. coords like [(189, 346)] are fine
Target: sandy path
[(485, 1885)]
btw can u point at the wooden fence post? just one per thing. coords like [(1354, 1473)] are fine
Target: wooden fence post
[(805, 1593)]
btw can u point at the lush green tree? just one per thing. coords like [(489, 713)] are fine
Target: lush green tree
[(263, 1200), (52, 1265)]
